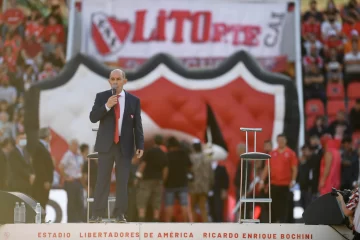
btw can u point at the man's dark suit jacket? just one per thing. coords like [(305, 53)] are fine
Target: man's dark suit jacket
[(3, 171), (221, 179), (131, 124), (21, 170), (42, 164)]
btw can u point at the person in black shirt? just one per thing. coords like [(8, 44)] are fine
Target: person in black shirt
[(314, 161), (176, 183), (349, 164), (354, 116), (339, 127), (319, 127), (303, 176), (313, 12), (150, 174)]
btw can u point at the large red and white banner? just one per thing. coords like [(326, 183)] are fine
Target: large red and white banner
[(200, 33)]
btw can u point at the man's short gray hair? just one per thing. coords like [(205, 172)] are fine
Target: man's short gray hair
[(44, 133)]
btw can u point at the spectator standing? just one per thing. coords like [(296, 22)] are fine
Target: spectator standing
[(21, 169), (43, 166), (284, 168), (203, 182), (315, 160), (349, 165), (303, 176), (176, 183), (70, 169), (330, 166), (5, 148), (218, 194), (355, 116), (151, 172)]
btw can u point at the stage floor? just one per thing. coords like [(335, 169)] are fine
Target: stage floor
[(171, 231)]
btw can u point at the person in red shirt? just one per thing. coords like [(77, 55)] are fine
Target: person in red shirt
[(333, 41), (34, 26), (283, 173), (330, 165), (54, 27), (13, 18), (311, 26)]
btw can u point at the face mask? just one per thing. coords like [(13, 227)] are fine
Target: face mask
[(22, 143)]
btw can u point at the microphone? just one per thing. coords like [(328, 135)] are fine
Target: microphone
[(113, 89)]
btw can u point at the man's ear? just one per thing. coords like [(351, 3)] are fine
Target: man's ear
[(125, 80)]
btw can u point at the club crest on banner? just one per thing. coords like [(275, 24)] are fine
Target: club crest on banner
[(109, 33)]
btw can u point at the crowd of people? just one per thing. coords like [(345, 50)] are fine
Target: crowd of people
[(32, 41), (331, 58)]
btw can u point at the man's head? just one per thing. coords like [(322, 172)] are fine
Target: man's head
[(306, 151), (268, 146), (340, 116), (45, 134), (74, 145), (6, 145), (52, 20), (332, 17), (21, 139), (158, 140), (84, 149), (314, 141), (313, 5), (173, 143), (240, 149), (346, 143), (357, 104), (117, 78), (281, 141)]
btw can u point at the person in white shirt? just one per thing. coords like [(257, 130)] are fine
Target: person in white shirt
[(330, 24), (71, 170), (352, 59)]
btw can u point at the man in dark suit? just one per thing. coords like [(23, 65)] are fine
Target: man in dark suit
[(21, 169), (120, 127), (43, 166), (218, 194), (5, 148)]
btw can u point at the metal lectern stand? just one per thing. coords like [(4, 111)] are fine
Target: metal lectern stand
[(252, 156)]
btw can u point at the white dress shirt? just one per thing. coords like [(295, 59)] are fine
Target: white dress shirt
[(121, 99)]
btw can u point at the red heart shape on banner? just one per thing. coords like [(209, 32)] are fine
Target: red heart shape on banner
[(109, 34), (121, 28)]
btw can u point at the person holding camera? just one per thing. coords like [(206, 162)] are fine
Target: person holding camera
[(351, 210)]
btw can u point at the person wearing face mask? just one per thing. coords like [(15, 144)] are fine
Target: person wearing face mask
[(22, 175)]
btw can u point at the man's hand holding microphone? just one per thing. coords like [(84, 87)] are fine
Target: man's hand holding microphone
[(111, 101)]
